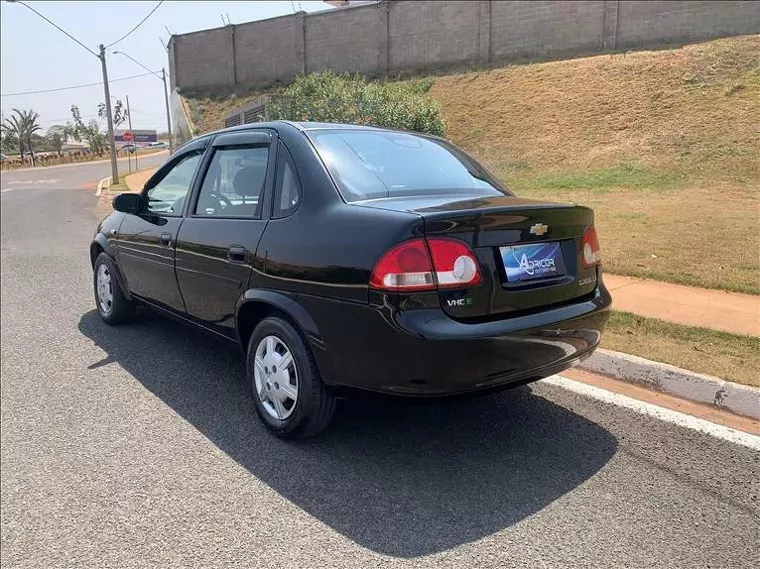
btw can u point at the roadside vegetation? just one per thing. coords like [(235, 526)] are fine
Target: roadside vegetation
[(327, 97), (23, 143), (728, 356), (664, 146)]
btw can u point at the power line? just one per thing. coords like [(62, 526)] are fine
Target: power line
[(75, 86), (140, 23), (59, 28), (68, 119)]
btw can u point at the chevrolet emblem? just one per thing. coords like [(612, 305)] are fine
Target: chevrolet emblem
[(539, 229)]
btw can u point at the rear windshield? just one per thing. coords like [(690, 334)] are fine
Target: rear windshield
[(370, 164)]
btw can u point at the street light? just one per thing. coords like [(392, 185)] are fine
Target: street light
[(166, 96), (102, 57)]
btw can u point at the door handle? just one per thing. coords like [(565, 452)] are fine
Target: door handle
[(166, 239), (236, 254)]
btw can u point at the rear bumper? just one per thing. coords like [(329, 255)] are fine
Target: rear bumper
[(424, 352)]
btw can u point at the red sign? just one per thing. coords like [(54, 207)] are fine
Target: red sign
[(128, 136)]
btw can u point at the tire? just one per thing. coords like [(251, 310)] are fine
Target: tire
[(116, 309), (312, 409)]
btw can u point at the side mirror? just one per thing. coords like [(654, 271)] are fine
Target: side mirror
[(127, 203)]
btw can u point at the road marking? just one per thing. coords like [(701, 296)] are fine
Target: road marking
[(668, 415), (35, 182), (8, 190)]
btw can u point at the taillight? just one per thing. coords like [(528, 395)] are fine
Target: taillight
[(404, 267), (409, 267), (455, 264), (591, 254)]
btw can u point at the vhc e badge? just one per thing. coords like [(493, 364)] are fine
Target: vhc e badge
[(534, 261)]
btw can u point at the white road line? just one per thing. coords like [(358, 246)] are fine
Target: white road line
[(668, 415), (8, 190)]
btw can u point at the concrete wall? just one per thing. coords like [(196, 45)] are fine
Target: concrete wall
[(647, 22), (398, 35), (545, 28), (426, 34), (347, 40), (269, 50)]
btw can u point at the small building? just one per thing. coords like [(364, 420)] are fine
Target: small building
[(73, 146)]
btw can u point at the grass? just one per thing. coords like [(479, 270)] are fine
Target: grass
[(631, 176), (664, 146), (694, 236), (118, 188), (727, 356)]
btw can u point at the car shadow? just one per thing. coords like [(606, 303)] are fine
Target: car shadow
[(401, 477)]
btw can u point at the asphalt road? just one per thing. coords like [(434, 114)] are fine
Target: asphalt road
[(71, 175), (138, 446)]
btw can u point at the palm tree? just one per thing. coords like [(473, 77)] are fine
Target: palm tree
[(31, 126), (23, 124), (14, 128)]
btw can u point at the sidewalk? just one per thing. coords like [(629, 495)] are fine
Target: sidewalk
[(136, 181), (706, 308)]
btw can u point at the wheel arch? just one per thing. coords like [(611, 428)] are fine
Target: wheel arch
[(255, 305), (100, 245)]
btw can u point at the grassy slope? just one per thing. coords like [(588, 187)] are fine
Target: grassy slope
[(664, 145), (728, 356)]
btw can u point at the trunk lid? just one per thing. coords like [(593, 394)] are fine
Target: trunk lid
[(529, 251)]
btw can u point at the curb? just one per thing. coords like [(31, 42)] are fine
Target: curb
[(739, 399), (104, 184)]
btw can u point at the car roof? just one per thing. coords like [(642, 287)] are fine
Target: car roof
[(302, 126)]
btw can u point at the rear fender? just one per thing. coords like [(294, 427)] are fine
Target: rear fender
[(297, 314)]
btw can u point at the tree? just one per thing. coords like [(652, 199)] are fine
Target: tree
[(56, 137), (21, 126), (31, 126), (13, 128), (89, 132), (9, 141), (120, 114)]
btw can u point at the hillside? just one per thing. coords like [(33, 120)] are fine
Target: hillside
[(663, 144)]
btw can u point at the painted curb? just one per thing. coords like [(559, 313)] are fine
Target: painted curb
[(739, 399), (104, 184)]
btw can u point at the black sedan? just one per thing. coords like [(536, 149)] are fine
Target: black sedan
[(341, 256)]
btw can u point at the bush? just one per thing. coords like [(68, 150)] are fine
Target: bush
[(327, 97)]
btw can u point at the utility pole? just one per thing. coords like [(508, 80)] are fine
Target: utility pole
[(134, 140), (102, 57), (168, 114), (166, 97), (112, 143)]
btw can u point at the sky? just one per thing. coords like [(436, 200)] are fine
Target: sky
[(34, 55)]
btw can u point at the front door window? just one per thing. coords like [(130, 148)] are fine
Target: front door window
[(169, 194)]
